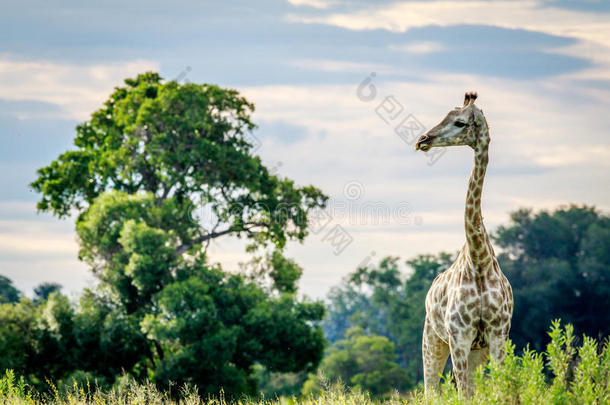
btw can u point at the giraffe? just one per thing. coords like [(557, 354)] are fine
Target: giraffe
[(469, 306)]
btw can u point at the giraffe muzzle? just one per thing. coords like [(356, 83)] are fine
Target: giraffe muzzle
[(423, 143)]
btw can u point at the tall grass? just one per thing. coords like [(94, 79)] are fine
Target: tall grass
[(564, 374)]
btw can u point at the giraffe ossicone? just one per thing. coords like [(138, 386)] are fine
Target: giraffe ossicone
[(470, 305)]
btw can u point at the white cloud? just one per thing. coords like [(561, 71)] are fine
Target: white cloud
[(319, 4), (36, 237), (592, 29), (77, 89), (422, 47), (596, 53), (568, 155), (328, 65), (529, 15), (37, 243)]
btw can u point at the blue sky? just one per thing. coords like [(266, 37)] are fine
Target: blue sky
[(542, 70)]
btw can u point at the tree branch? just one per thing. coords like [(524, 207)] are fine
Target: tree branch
[(203, 238)]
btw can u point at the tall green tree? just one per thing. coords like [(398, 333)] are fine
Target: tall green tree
[(156, 174), (559, 266)]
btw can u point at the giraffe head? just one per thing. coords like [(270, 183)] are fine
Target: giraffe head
[(464, 125)]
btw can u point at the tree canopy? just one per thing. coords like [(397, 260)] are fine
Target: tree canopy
[(187, 143)]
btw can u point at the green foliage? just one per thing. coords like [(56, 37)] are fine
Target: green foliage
[(13, 389), (274, 271), (576, 375), (518, 379), (130, 243), (210, 329), (363, 362), (17, 336), (213, 328), (43, 290), (8, 292), (579, 375), (384, 301), (107, 341), (53, 339), (284, 273), (276, 384), (559, 266)]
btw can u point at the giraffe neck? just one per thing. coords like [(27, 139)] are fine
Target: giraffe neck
[(476, 236)]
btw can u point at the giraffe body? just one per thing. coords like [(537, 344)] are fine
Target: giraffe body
[(469, 306)]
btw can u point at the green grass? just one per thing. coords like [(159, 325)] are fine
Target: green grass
[(564, 374)]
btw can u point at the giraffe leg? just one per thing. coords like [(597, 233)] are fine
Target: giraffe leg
[(435, 353), (460, 349), (496, 349), (475, 359)]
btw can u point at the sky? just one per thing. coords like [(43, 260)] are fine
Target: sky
[(341, 90)]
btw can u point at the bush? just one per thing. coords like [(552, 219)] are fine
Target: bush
[(363, 362), (575, 375)]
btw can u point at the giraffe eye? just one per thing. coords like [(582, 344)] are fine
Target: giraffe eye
[(459, 124)]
